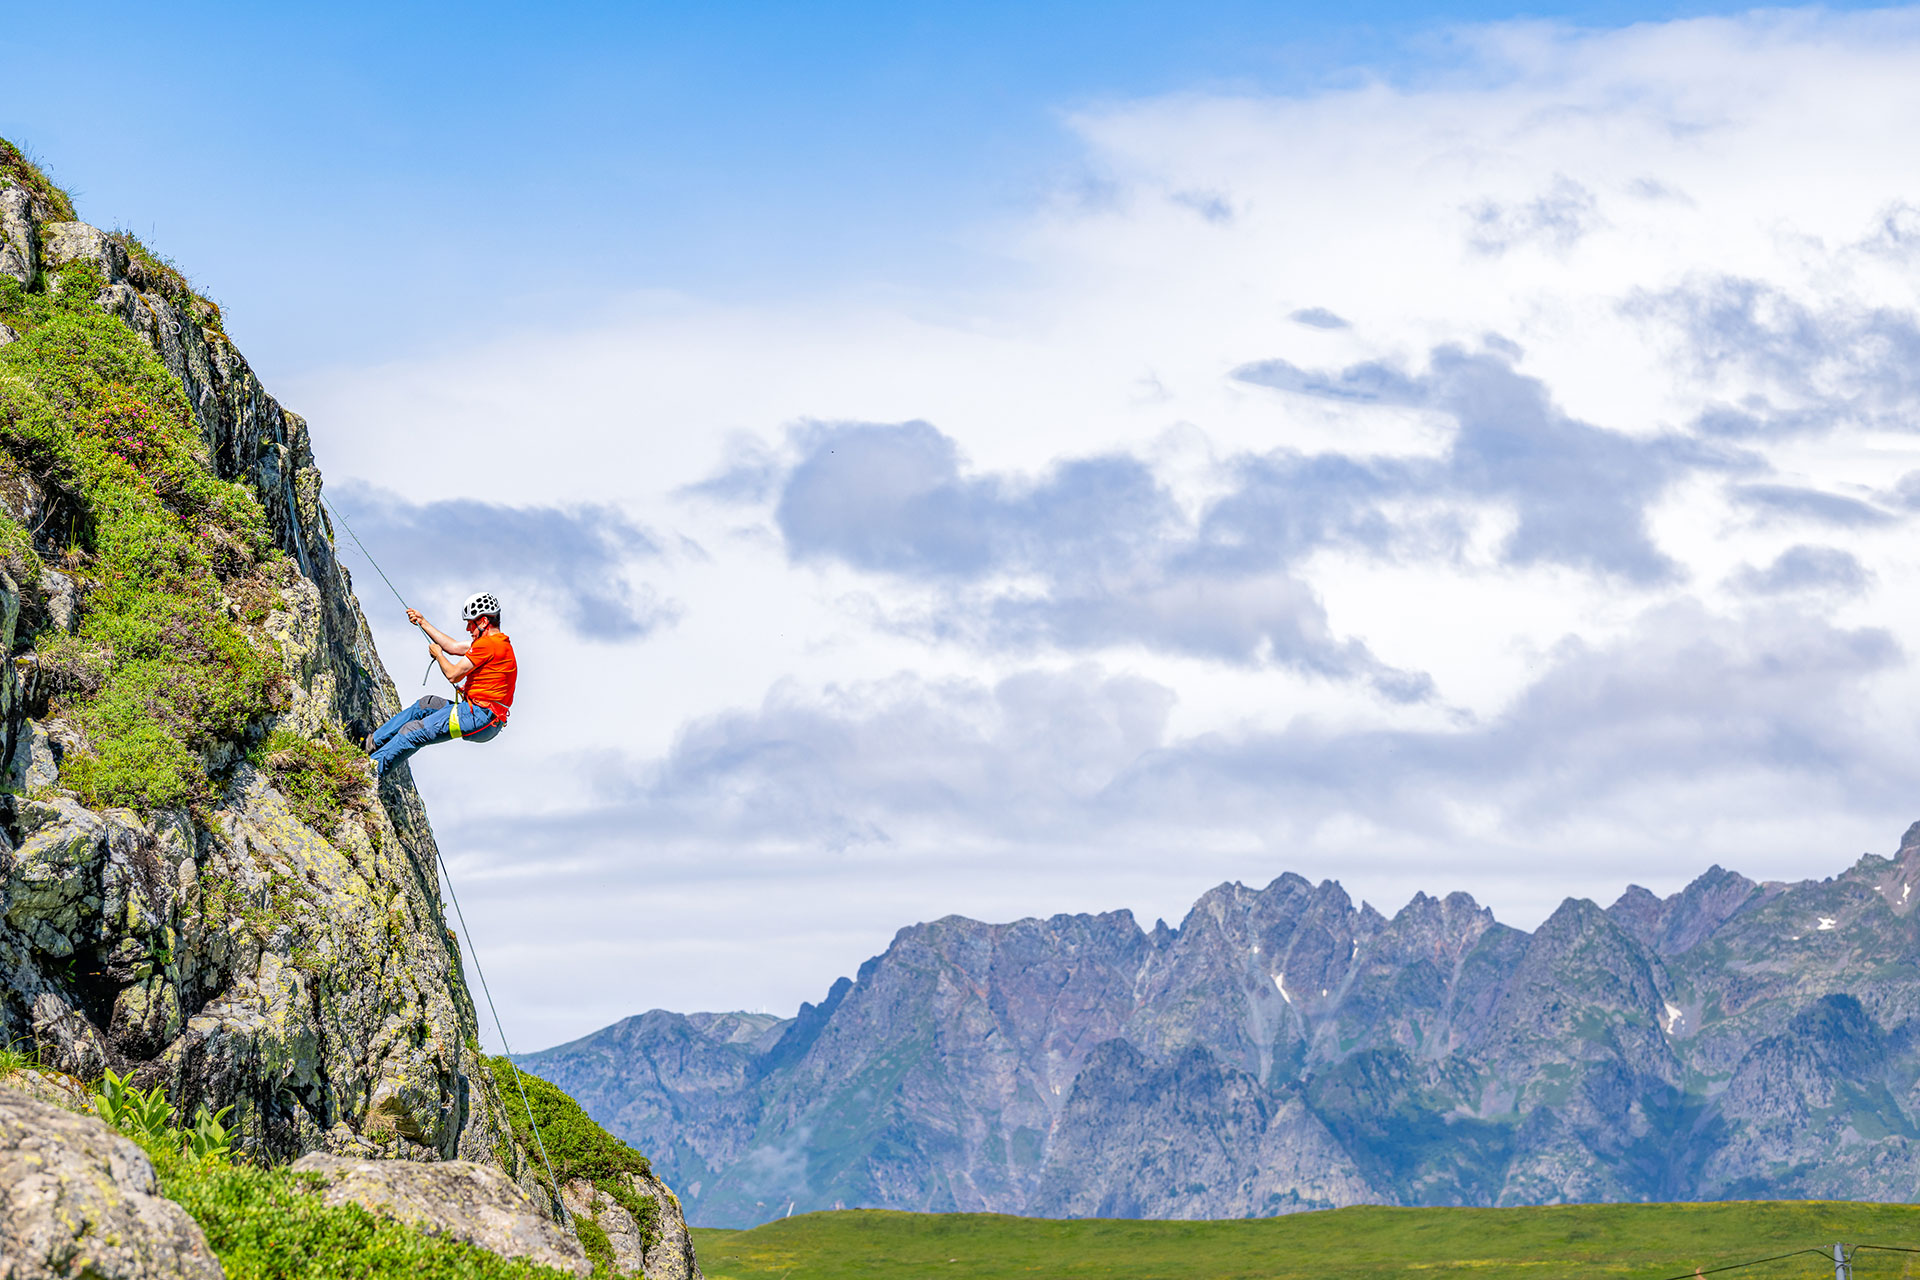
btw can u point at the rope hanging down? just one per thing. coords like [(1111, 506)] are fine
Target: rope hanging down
[(377, 569), (447, 880), (363, 551), (505, 1048)]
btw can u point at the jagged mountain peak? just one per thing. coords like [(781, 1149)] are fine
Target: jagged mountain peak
[(1692, 1045)]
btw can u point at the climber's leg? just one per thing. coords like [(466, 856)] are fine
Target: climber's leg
[(423, 723), (405, 717)]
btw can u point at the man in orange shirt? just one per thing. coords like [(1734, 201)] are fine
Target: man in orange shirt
[(482, 671)]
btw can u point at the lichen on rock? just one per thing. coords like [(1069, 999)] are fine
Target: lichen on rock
[(78, 1199), (460, 1200)]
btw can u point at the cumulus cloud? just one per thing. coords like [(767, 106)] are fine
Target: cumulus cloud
[(574, 559), (1095, 553), (1805, 569), (1801, 366), (1773, 503), (1764, 703), (1557, 218), (1581, 493), (1319, 318)]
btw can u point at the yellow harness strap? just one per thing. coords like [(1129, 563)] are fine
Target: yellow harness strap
[(453, 719)]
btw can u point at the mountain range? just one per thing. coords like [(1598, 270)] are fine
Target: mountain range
[(1284, 1050)]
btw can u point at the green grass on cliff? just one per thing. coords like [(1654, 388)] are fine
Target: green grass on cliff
[(160, 673), (578, 1148), (1618, 1242), (25, 170), (270, 1224)]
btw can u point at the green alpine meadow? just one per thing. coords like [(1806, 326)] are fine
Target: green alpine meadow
[(1625, 1242)]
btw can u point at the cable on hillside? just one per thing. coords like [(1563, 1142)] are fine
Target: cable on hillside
[(447, 880), (1885, 1248), (1738, 1266)]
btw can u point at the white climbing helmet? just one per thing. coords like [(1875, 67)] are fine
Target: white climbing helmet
[(479, 605)]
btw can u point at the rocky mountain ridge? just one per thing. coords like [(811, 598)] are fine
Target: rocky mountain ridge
[(1283, 1049)]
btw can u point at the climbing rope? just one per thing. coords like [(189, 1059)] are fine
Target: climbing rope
[(377, 569), (363, 551), (507, 1049), (446, 879)]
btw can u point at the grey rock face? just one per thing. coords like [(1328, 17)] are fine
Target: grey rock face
[(670, 1258), (459, 1200), (1193, 1138), (77, 1199), (19, 248), (1283, 1049), (234, 954)]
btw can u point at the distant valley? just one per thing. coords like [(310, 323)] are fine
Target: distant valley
[(1284, 1050)]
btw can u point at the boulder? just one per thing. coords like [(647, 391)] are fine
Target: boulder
[(454, 1199), (670, 1258), (77, 1199)]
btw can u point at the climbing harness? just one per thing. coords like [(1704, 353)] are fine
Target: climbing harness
[(446, 878)]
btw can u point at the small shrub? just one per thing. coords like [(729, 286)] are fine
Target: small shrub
[(320, 779), (210, 1139), (23, 169), (593, 1238), (142, 1114), (578, 1147)]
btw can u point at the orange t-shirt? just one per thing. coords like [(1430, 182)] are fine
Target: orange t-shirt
[(490, 683)]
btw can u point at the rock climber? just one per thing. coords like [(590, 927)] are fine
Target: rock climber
[(482, 671)]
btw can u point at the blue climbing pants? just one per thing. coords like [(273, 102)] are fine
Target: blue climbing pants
[(428, 721)]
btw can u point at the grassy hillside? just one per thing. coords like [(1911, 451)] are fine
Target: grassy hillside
[(1638, 1242)]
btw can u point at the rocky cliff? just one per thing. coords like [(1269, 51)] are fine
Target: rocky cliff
[(1283, 1049), (201, 885)]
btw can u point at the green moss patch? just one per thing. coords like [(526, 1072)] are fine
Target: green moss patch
[(270, 1224), (578, 1148), (159, 676), (323, 780)]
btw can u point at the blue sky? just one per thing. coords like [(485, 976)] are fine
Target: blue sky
[(354, 178), (1007, 460)]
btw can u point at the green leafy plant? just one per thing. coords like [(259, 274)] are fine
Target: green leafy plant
[(209, 1139), (142, 1114)]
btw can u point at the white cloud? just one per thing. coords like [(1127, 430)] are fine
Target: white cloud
[(1694, 241)]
